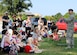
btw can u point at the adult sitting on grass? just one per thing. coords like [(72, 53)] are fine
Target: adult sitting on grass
[(7, 41)]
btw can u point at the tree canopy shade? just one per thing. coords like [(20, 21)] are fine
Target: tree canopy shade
[(14, 6)]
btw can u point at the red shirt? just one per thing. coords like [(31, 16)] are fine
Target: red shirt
[(27, 48)]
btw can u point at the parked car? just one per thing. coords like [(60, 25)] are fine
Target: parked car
[(62, 25)]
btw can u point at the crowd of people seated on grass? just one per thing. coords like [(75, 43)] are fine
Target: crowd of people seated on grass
[(25, 36)]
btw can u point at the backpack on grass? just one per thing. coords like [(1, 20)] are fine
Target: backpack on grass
[(13, 50)]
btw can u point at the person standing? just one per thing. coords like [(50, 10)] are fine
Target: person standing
[(49, 23), (28, 23), (70, 29), (40, 23), (15, 22), (53, 27), (20, 20), (5, 20)]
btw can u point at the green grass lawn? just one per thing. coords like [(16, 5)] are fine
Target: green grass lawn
[(51, 47)]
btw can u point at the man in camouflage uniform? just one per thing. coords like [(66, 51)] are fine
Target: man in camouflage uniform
[(70, 29)]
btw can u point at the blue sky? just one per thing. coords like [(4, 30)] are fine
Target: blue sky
[(51, 7)]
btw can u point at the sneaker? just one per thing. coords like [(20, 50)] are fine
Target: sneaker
[(67, 47), (38, 51)]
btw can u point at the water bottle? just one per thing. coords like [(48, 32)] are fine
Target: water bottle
[(16, 52)]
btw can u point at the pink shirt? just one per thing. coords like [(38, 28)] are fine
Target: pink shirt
[(55, 36), (6, 44)]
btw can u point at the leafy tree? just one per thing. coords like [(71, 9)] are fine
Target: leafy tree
[(2, 9), (76, 16), (24, 17), (14, 6), (49, 17), (58, 16), (66, 15)]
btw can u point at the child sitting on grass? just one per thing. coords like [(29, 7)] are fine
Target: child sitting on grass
[(20, 44), (50, 33), (31, 47), (28, 48), (55, 35), (44, 32), (35, 36)]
